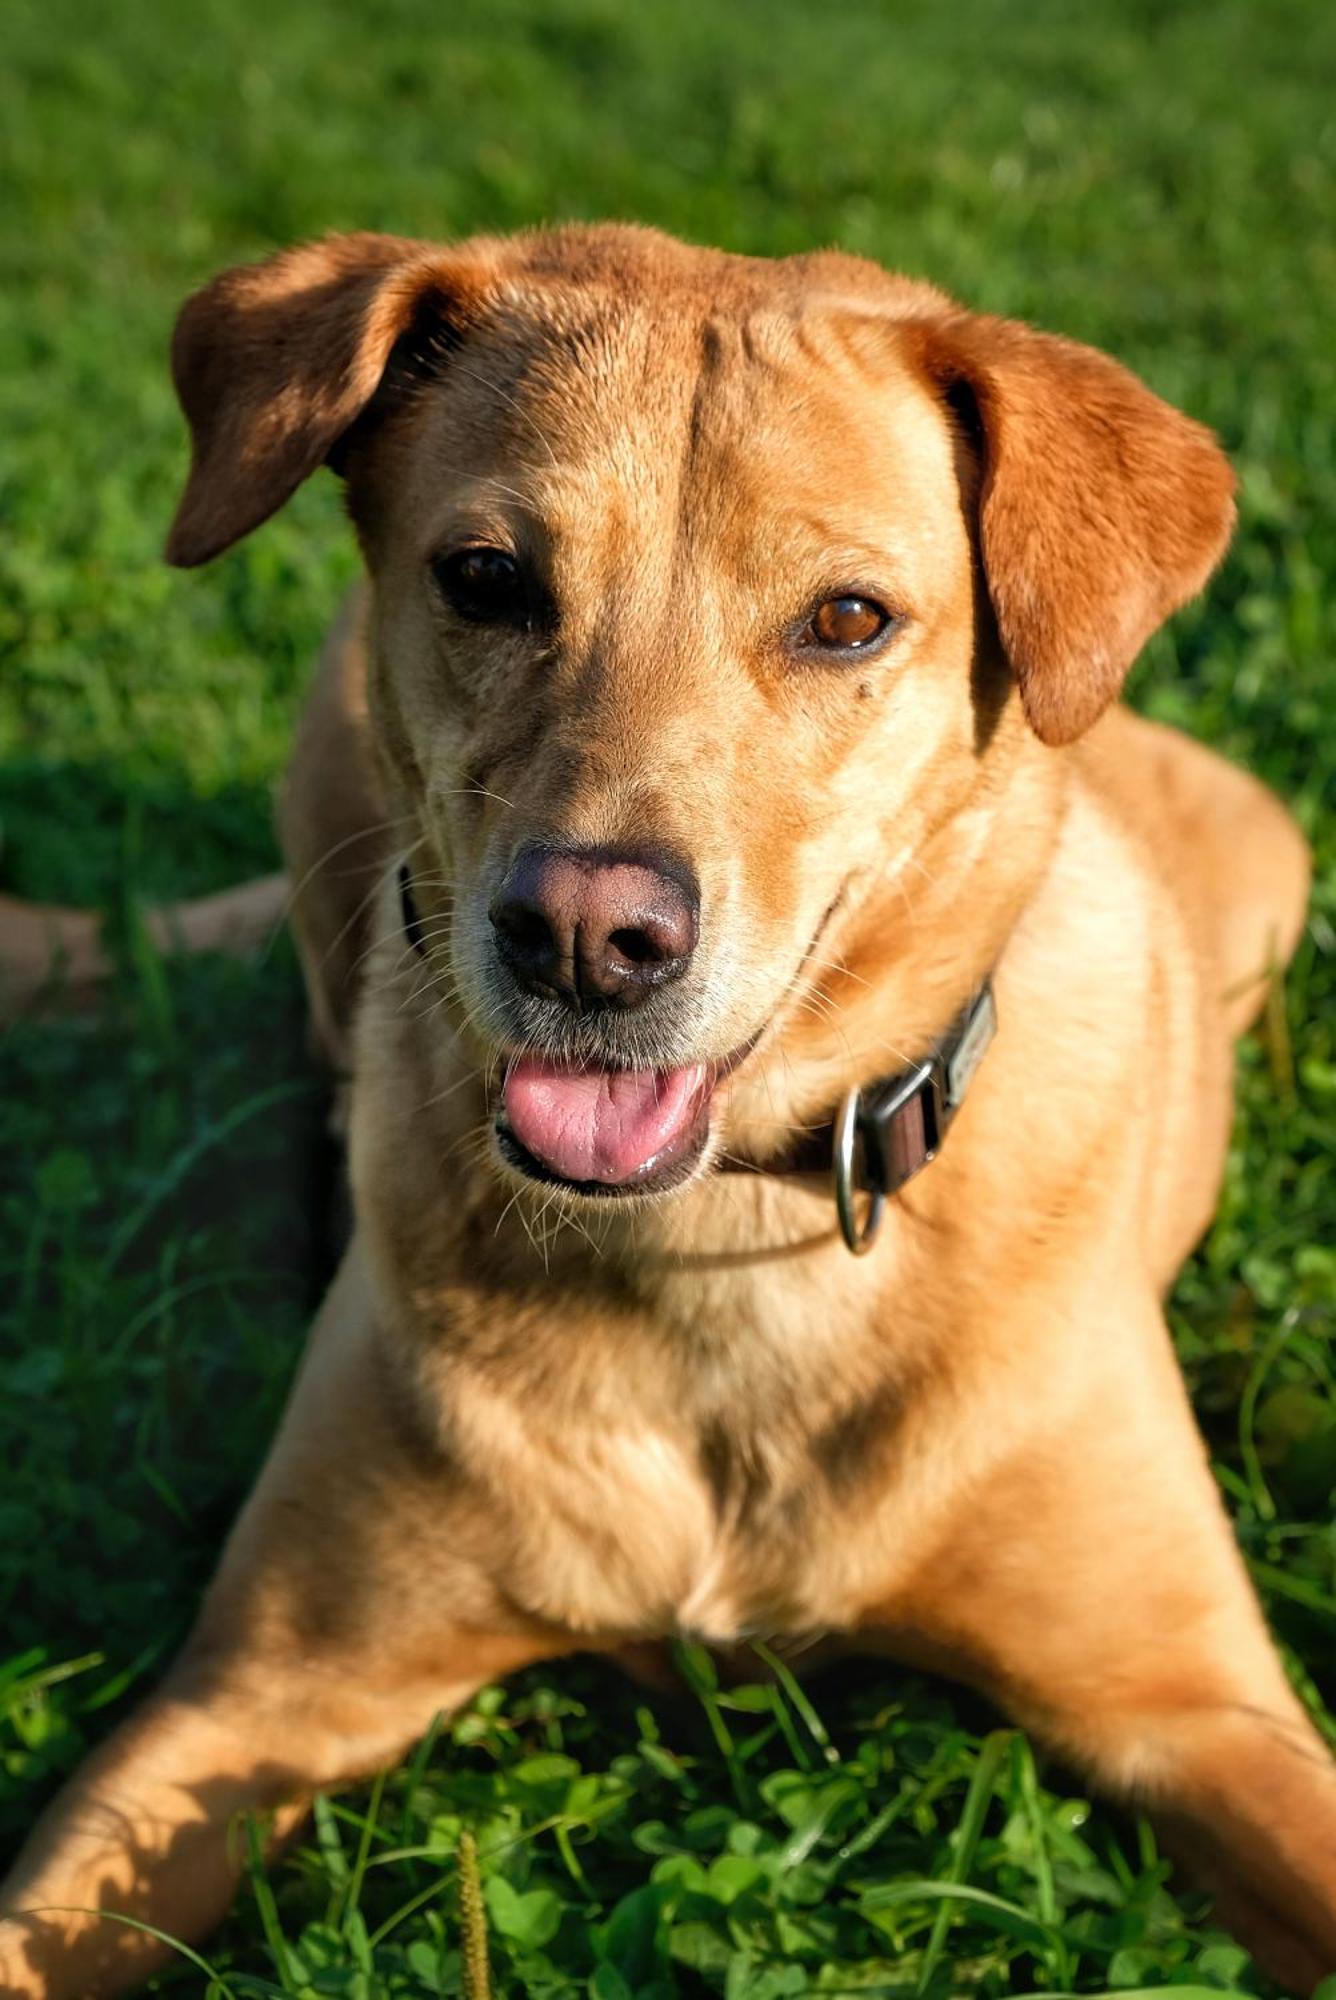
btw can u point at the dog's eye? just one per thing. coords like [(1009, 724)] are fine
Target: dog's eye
[(847, 623), (484, 585)]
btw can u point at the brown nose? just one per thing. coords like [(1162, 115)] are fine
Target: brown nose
[(595, 927)]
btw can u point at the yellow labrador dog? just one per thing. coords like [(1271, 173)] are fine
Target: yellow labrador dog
[(739, 864)]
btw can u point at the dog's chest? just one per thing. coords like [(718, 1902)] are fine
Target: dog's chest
[(634, 1532), (641, 1503)]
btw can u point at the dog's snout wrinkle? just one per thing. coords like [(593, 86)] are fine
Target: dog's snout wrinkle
[(596, 926)]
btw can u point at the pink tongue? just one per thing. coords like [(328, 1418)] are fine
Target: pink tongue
[(601, 1125)]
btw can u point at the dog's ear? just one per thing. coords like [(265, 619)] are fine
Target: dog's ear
[(1101, 508), (273, 362)]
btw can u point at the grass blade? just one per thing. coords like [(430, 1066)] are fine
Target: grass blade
[(475, 1969), (265, 1904), (995, 1748), (788, 1681)]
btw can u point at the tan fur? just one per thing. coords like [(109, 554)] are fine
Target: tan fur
[(528, 1421)]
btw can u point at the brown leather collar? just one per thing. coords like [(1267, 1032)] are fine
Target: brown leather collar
[(883, 1133), (886, 1131)]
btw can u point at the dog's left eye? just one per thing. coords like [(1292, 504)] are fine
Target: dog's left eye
[(484, 585), (846, 624)]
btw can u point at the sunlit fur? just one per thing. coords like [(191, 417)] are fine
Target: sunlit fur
[(527, 1421)]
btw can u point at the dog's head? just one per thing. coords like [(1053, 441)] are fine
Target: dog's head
[(706, 590)]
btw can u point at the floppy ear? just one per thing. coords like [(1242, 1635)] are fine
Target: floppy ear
[(272, 362), (1101, 509)]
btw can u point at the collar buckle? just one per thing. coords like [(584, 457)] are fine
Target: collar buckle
[(885, 1133), (883, 1137)]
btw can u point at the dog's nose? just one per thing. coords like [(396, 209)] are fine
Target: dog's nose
[(596, 927)]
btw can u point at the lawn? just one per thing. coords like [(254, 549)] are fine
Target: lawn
[(1157, 178)]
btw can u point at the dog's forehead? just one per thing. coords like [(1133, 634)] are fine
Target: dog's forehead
[(656, 345), (598, 321), (766, 376)]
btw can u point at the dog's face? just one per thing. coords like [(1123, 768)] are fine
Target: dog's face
[(701, 590), (675, 631)]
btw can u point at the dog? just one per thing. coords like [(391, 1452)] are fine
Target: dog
[(787, 1010)]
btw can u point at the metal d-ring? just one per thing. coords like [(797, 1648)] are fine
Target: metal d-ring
[(846, 1136)]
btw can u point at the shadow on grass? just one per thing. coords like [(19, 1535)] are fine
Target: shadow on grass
[(168, 1205), (81, 833)]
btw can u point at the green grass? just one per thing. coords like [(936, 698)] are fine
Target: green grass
[(1156, 178)]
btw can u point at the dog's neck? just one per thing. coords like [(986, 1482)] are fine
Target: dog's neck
[(915, 944)]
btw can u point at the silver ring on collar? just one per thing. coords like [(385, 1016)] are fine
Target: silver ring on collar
[(859, 1240)]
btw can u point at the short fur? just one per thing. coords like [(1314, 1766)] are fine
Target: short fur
[(970, 1449)]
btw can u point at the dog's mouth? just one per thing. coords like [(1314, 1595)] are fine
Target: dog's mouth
[(604, 1131)]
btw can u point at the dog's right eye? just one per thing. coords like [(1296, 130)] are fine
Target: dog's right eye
[(486, 586)]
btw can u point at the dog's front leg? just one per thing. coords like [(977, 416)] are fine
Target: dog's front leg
[(1092, 1586), (347, 1612)]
